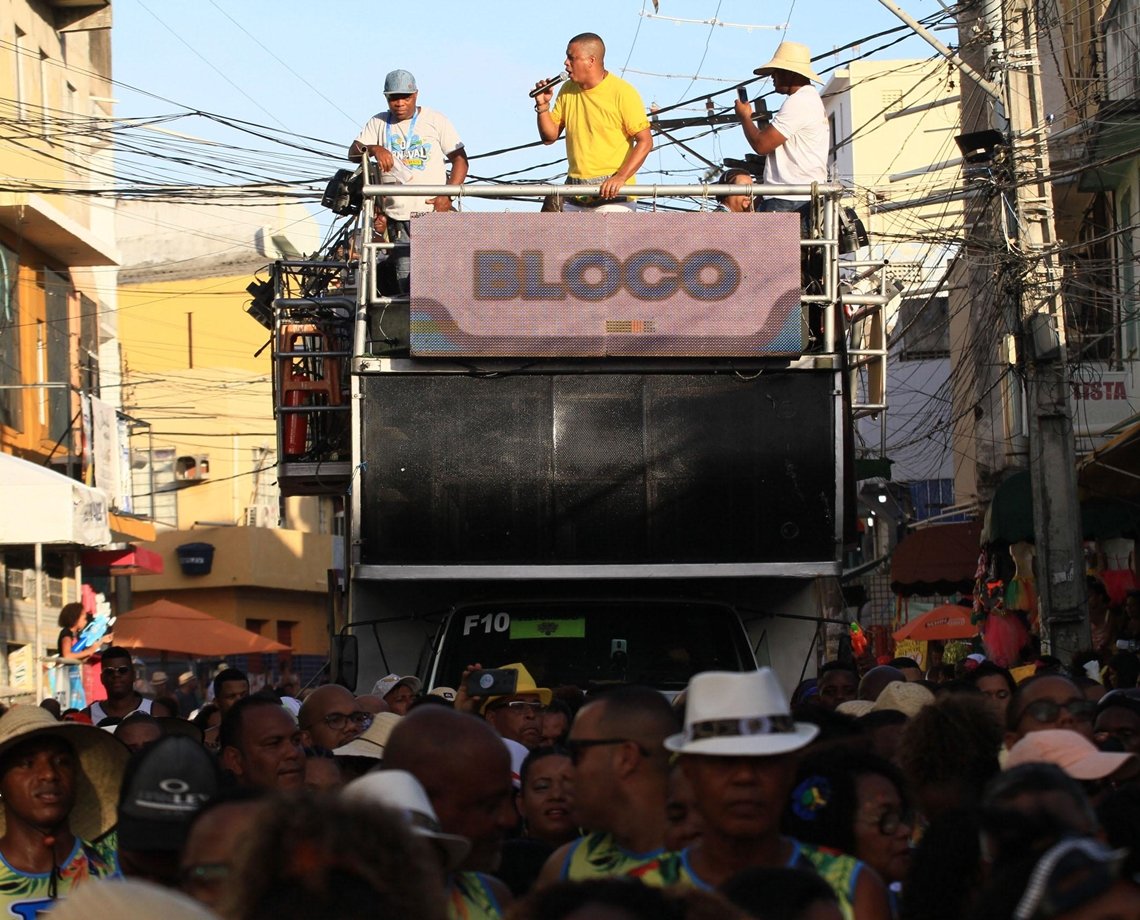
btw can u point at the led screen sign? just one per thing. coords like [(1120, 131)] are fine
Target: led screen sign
[(592, 285)]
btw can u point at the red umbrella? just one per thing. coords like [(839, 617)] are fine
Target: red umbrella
[(164, 626), (949, 621)]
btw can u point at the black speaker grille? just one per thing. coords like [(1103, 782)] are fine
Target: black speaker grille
[(598, 468)]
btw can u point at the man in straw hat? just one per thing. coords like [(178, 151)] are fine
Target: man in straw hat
[(59, 784), (795, 143), (738, 751)]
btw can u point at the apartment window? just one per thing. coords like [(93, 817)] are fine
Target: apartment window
[(88, 345), (923, 328), (1128, 298), (21, 75), (45, 98), (154, 489), (11, 401), (285, 629), (57, 292)]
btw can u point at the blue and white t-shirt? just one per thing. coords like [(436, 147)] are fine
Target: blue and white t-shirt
[(421, 144)]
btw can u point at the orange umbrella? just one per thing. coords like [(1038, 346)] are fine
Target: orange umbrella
[(164, 626), (948, 621)]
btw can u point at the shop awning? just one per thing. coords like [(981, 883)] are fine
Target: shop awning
[(131, 560), (1113, 513), (43, 506), (941, 559), (1113, 469)]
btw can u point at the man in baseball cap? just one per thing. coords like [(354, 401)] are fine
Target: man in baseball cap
[(412, 145)]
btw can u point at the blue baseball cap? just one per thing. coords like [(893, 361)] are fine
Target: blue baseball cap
[(399, 82)]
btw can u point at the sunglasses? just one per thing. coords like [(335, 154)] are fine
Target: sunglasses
[(520, 706), (1047, 711), (337, 720), (891, 820), (118, 669), (576, 747)]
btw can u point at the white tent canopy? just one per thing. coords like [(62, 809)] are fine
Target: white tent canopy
[(38, 505)]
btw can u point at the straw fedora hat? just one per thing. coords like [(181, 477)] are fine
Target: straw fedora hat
[(906, 697), (900, 696), (372, 741), (101, 763), (790, 56), (739, 714), (402, 792)]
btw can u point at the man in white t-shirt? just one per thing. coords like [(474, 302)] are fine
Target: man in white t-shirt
[(412, 145), (795, 144)]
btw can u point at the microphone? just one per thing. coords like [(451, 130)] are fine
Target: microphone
[(548, 84)]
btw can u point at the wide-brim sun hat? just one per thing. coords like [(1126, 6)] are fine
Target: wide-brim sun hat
[(903, 696), (101, 763), (739, 714), (791, 56), (372, 741), (129, 899), (402, 792), (855, 708)]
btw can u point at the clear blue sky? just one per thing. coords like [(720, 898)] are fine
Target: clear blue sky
[(315, 70)]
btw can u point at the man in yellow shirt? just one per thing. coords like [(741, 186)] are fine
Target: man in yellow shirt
[(607, 131)]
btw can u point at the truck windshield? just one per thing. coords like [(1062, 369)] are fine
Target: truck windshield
[(590, 643)]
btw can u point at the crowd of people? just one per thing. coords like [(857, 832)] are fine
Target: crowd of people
[(878, 792), (878, 795)]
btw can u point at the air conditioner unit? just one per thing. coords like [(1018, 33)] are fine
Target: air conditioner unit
[(192, 468), (257, 516)]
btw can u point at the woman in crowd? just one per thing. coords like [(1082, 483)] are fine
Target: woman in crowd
[(855, 802)]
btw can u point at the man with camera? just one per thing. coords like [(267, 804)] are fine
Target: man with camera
[(508, 699), (795, 143)]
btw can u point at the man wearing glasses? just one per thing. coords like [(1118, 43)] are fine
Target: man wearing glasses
[(1048, 701), (330, 718), (118, 678), (517, 717)]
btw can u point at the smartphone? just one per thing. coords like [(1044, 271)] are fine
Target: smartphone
[(742, 93), (493, 682)]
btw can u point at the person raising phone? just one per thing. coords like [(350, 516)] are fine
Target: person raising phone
[(516, 716)]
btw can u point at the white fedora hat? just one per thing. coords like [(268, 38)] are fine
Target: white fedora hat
[(790, 56), (401, 791), (739, 714)]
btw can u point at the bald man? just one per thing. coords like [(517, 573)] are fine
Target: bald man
[(465, 768), (329, 717), (607, 130)]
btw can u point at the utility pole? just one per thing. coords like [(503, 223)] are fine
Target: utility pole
[(1026, 299), (1052, 450)]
